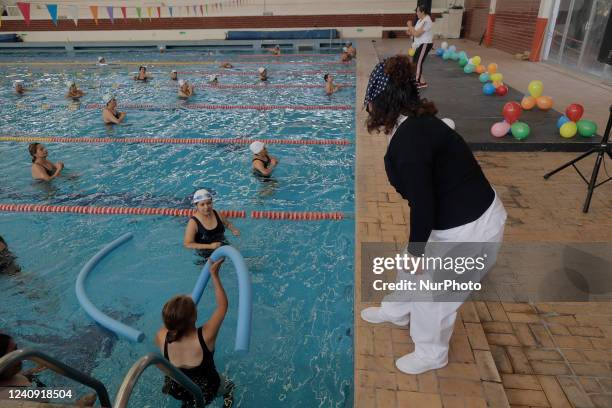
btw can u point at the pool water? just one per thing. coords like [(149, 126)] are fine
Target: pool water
[(302, 335)]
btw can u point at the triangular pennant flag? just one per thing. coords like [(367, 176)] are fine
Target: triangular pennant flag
[(124, 12), (94, 13), (170, 10), (139, 13), (74, 13), (25, 11), (52, 9), (149, 12), (111, 12), (158, 12)]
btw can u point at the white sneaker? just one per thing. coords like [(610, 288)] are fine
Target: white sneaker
[(413, 364), (376, 315)]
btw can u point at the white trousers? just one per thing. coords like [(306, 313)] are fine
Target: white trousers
[(432, 322)]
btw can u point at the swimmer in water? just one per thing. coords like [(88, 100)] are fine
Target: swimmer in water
[(142, 74), (330, 87), (42, 168), (185, 89), (162, 49), (213, 80), (19, 87), (110, 115), (73, 91), (226, 65), (174, 75), (205, 230), (262, 163), (351, 50), (263, 74), (8, 264), (346, 57), (101, 61), (276, 50)]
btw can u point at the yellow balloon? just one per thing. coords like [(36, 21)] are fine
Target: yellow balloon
[(476, 60), (497, 84), (497, 77), (568, 130), (536, 88), (411, 52)]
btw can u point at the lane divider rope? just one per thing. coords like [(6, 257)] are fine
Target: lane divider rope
[(173, 212), (153, 140), (242, 73), (194, 106), (162, 63)]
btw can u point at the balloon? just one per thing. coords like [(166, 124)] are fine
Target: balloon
[(463, 62), (446, 55), (561, 121), (586, 128), (455, 56), (544, 102), (512, 111), (520, 130), (468, 69), (574, 112), (497, 84), (492, 68), (497, 77), (463, 54), (488, 89), (411, 52), (449, 122), (501, 90), (484, 77), (439, 52), (500, 129), (528, 102), (536, 88), (444, 45), (452, 48), (480, 69), (477, 60), (568, 130)]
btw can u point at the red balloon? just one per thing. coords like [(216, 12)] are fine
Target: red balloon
[(512, 111), (501, 90), (574, 112)]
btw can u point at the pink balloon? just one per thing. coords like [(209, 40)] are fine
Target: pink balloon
[(500, 129)]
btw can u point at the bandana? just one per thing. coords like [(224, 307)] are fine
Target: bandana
[(377, 84)]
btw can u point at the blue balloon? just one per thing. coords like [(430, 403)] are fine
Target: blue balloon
[(488, 88), (446, 55), (562, 120), (463, 54), (468, 69), (452, 48), (484, 77), (439, 52)]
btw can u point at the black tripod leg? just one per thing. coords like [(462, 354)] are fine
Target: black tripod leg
[(592, 182), (582, 156)]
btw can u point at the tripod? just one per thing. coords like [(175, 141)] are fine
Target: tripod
[(601, 149)]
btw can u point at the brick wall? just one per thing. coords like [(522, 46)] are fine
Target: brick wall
[(250, 22), (475, 18), (515, 23)]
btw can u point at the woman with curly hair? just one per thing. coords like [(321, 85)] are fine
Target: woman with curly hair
[(451, 202)]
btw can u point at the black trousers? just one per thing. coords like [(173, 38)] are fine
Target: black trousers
[(419, 58)]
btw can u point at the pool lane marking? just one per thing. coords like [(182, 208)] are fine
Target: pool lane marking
[(193, 106), (164, 63), (153, 140), (173, 212)]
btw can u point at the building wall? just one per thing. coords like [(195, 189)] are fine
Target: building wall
[(475, 18), (515, 25)]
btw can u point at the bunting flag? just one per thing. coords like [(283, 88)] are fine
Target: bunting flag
[(94, 13), (25, 11), (139, 13), (74, 13), (170, 10), (158, 12), (124, 12), (111, 12), (149, 12), (52, 9)]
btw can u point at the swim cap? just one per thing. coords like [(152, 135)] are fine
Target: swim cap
[(257, 146), (108, 98), (173, 71), (201, 195), (261, 70), (70, 83), (212, 77), (344, 49), (18, 81), (181, 82), (100, 59)]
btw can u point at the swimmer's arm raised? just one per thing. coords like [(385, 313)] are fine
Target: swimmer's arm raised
[(212, 326)]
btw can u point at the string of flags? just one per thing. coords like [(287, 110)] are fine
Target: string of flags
[(72, 10)]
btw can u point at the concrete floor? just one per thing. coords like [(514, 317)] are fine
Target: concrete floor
[(503, 354)]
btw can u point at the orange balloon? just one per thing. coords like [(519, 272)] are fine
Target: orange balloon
[(497, 84), (480, 69), (492, 68), (544, 102), (528, 102)]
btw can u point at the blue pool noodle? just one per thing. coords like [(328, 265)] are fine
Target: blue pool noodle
[(245, 302), (93, 312)]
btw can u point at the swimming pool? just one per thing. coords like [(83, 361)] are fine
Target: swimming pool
[(302, 272)]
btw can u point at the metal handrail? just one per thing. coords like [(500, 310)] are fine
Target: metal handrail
[(58, 367), (125, 390)]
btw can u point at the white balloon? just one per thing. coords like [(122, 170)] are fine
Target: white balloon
[(444, 45), (449, 122)]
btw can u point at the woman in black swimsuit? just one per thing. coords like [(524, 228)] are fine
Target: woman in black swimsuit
[(206, 229), (262, 162), (142, 74), (43, 169), (192, 349)]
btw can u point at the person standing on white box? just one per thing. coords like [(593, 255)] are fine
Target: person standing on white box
[(451, 204)]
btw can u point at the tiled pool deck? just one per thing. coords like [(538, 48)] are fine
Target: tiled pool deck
[(502, 354)]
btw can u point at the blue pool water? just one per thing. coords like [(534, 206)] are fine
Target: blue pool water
[(302, 343)]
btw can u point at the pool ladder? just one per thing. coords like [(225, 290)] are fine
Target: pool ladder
[(129, 381)]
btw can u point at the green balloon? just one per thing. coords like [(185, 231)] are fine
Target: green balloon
[(520, 130), (463, 62), (586, 128)]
